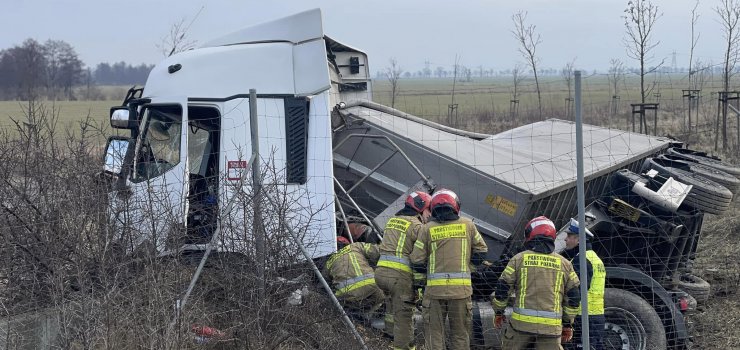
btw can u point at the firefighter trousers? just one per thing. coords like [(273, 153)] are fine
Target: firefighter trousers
[(365, 300), (398, 286), (458, 312), (516, 340)]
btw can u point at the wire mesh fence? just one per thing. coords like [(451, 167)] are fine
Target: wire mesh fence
[(90, 264)]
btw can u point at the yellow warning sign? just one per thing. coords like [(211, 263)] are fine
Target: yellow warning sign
[(621, 208), (502, 204)]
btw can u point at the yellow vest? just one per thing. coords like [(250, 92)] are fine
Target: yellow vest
[(598, 282)]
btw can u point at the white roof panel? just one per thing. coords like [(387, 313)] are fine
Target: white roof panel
[(303, 26), (536, 158)]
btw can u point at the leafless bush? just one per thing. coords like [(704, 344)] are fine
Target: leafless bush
[(67, 260)]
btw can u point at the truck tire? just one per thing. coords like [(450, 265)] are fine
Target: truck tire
[(725, 179), (631, 323), (695, 286), (702, 158), (698, 198), (708, 188), (706, 195)]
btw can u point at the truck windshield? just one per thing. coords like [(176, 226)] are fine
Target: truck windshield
[(159, 145)]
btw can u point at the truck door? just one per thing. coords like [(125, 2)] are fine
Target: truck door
[(159, 176)]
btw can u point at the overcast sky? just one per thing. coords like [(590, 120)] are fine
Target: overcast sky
[(412, 31)]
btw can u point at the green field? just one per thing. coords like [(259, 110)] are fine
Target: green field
[(430, 97), (69, 112), (484, 104)]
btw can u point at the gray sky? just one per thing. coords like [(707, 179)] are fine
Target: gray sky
[(413, 31)]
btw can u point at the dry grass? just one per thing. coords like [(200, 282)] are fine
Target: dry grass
[(69, 111), (716, 323)]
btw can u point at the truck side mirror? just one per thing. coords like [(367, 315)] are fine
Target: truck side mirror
[(115, 153), (120, 118)]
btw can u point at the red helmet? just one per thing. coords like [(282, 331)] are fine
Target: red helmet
[(342, 241), (419, 200), (444, 197), (540, 226)]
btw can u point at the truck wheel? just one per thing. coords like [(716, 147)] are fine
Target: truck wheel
[(706, 195), (695, 286), (725, 179), (731, 182), (702, 158), (631, 323), (703, 186)]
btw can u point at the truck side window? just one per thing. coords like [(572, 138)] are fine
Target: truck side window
[(159, 145)]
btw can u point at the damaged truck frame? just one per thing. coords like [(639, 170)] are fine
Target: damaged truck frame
[(341, 157)]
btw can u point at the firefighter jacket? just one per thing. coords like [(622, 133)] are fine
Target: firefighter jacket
[(544, 285), (349, 268), (596, 280), (446, 247), (399, 236)]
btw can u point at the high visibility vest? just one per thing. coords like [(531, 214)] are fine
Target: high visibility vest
[(598, 282)]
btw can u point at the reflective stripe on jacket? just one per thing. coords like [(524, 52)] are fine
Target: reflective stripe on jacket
[(349, 268), (539, 282), (446, 248), (399, 236)]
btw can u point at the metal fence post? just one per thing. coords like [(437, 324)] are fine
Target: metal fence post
[(581, 214)]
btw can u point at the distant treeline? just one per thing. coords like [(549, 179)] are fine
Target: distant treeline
[(121, 73), (54, 70)]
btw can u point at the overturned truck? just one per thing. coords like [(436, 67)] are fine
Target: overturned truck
[(646, 237), (192, 138)]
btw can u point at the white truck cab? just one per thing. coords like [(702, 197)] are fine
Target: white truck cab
[(190, 139)]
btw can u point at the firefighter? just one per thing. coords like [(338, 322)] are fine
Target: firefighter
[(545, 285), (394, 275), (351, 275), (596, 279), (447, 246)]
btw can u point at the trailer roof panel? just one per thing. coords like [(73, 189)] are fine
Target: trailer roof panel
[(538, 158)]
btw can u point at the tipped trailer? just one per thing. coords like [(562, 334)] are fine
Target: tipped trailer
[(506, 179), (192, 138)]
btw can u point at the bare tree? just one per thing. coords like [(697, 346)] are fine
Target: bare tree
[(567, 74), (517, 78), (616, 74), (452, 107), (177, 40), (528, 40), (393, 73), (439, 72), (639, 21), (729, 17), (694, 41), (468, 74), (25, 67)]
